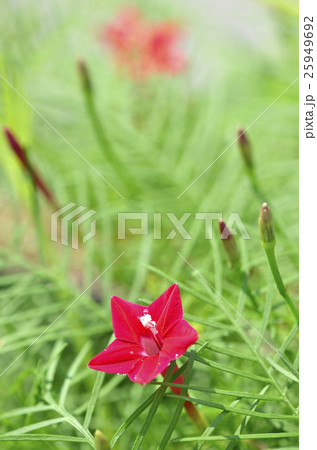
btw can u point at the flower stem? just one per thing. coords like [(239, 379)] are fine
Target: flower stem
[(38, 224), (100, 133), (270, 253), (98, 129), (245, 288), (267, 234)]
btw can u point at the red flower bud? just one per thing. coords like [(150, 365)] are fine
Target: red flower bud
[(245, 148), (20, 153), (84, 75)]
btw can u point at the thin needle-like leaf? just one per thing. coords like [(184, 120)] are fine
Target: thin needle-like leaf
[(245, 421), (214, 424), (242, 437), (280, 369), (244, 411), (180, 404), (139, 411), (42, 437), (52, 364), (26, 410), (224, 392), (93, 399), (155, 404), (36, 426), (71, 372)]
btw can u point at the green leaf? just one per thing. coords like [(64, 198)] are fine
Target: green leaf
[(140, 409), (94, 397), (71, 372), (266, 314), (231, 352), (245, 421), (180, 405), (283, 371), (41, 437), (209, 323), (132, 418), (244, 411), (36, 426), (238, 394), (242, 437), (104, 391), (26, 410), (52, 364), (155, 404), (181, 285), (214, 424), (232, 370)]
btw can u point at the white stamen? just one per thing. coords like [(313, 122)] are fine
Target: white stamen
[(147, 322)]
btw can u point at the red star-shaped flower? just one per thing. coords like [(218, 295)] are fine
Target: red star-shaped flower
[(147, 338)]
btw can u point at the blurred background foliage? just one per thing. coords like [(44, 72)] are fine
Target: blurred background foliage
[(164, 132)]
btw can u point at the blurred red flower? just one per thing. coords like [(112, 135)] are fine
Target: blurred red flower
[(144, 47), (147, 338)]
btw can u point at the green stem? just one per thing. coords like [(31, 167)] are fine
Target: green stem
[(270, 253), (104, 142), (37, 221), (254, 182), (98, 129), (245, 288)]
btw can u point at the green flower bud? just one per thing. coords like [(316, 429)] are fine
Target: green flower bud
[(229, 244), (266, 226), (101, 441)]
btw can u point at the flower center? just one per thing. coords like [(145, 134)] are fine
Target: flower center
[(151, 343)]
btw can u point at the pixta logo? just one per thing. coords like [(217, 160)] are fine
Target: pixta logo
[(176, 225), (71, 218)]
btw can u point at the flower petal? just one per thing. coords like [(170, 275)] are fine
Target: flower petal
[(125, 319), (178, 339), (167, 309), (118, 357), (149, 367)]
